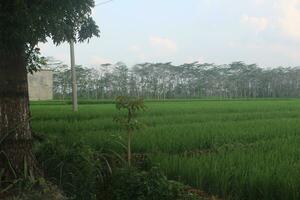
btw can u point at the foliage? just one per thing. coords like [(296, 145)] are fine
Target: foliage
[(129, 122), (131, 105), (77, 169), (34, 59), (23, 24), (132, 184), (34, 21)]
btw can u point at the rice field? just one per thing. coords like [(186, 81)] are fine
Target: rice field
[(242, 149)]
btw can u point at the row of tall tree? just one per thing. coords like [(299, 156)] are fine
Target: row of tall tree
[(191, 80)]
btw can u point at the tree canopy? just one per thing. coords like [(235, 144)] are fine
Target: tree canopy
[(25, 23)]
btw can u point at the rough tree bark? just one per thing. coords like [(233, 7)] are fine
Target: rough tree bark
[(15, 132)]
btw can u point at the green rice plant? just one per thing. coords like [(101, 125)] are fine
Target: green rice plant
[(236, 149)]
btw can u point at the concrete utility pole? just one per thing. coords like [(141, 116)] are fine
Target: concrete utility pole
[(73, 71), (74, 84)]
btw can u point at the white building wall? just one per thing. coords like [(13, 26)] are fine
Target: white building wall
[(40, 85)]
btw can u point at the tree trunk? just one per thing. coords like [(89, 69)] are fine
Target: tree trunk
[(129, 148), (16, 156)]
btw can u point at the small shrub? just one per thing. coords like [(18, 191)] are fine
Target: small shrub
[(132, 184), (129, 122), (77, 169)]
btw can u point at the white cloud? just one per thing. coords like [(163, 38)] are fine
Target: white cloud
[(257, 23), (165, 43), (289, 20)]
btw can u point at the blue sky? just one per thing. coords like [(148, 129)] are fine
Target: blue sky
[(266, 32)]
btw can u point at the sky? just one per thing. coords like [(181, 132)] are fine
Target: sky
[(265, 32)]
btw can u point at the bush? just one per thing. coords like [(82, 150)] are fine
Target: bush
[(76, 169), (83, 173), (132, 184)]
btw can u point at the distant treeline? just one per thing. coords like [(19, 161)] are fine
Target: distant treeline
[(166, 81)]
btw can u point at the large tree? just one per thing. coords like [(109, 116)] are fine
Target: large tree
[(23, 24)]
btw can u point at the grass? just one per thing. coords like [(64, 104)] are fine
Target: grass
[(237, 149)]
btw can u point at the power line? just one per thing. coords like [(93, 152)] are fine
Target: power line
[(104, 2)]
